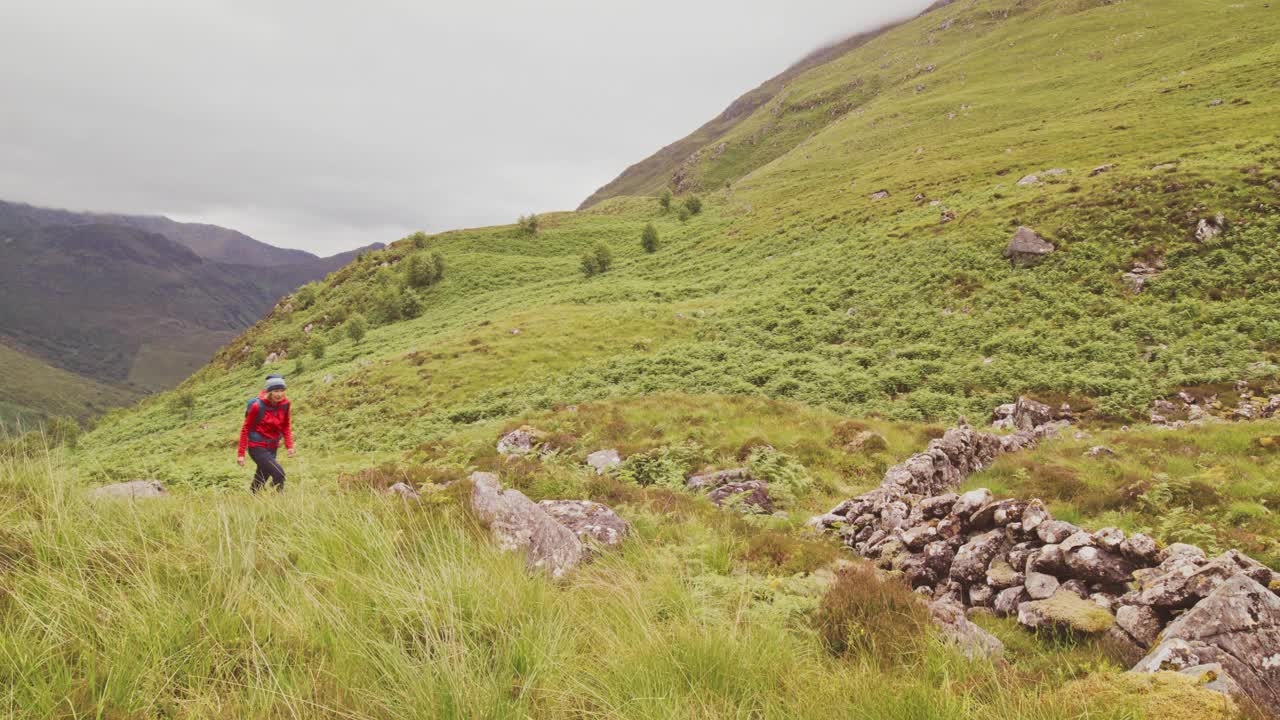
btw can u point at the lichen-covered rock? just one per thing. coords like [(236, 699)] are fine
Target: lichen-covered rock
[(593, 523), (518, 524), (973, 641), (1065, 610), (970, 564), (1140, 548), (520, 441), (1002, 575), (1053, 532), (938, 506), (1048, 559), (1007, 601), (132, 490), (1040, 586), (969, 503), (1034, 515), (1140, 622), (1238, 625), (1109, 538), (1097, 566), (917, 537)]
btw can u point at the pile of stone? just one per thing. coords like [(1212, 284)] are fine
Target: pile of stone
[(1010, 557), (1185, 409)]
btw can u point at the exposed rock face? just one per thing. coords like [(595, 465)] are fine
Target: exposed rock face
[(1102, 169), (516, 523), (1237, 626), (604, 460), (593, 523), (521, 441), (1027, 248), (132, 490)]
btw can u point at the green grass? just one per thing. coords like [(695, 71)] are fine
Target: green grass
[(32, 392), (324, 603)]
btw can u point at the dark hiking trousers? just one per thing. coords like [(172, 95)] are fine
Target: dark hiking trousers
[(268, 467)]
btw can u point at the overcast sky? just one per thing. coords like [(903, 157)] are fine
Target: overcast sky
[(329, 125)]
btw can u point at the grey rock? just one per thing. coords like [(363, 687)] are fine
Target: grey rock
[(520, 441), (917, 537), (981, 595), (1040, 585), (1007, 601), (1109, 538), (974, 642), (595, 525), (1210, 228), (1237, 626), (604, 460), (1099, 451), (1048, 559), (938, 506), (1140, 548), (1095, 565), (1102, 169), (518, 524), (1055, 531), (1034, 515), (132, 490), (880, 195), (970, 564), (404, 490), (1076, 587), (1027, 248), (970, 502), (1001, 575), (1141, 623)]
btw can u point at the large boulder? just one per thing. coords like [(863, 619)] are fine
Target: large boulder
[(593, 523), (1068, 610), (1027, 248), (518, 524), (132, 490), (1238, 626)]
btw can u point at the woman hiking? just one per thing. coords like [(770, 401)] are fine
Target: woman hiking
[(266, 422)]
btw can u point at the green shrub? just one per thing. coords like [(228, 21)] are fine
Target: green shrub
[(419, 271), (65, 430), (666, 466), (305, 297), (649, 238), (357, 326), (873, 617), (694, 203), (317, 347), (419, 240), (683, 213), (257, 358), (183, 402), (599, 260), (788, 480), (664, 201), (527, 225)]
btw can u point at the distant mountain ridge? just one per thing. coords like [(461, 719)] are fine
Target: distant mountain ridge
[(131, 304), (211, 242)]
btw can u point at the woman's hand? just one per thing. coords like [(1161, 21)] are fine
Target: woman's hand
[(240, 461), (290, 452)]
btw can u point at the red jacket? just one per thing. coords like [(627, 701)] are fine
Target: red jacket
[(272, 424)]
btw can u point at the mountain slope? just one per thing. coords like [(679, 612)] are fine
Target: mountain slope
[(32, 392), (798, 283)]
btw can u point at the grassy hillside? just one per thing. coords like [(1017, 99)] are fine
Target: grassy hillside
[(32, 392), (795, 284), (798, 308)]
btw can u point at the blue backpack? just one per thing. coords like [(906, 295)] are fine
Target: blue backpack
[(257, 418)]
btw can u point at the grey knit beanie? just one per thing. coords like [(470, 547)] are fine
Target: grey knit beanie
[(275, 382)]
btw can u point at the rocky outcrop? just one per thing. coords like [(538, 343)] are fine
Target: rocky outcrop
[(748, 496), (518, 524), (1210, 227), (1027, 248), (595, 525), (1237, 627), (132, 490)]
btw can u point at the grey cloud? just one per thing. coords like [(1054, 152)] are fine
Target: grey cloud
[(330, 125)]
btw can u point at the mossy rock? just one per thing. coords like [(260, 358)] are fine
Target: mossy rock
[(1065, 609), (1164, 695)]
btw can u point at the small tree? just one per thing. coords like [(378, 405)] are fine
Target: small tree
[(299, 366), (419, 272), (664, 200), (306, 296), (184, 402), (437, 263), (604, 257), (528, 225), (649, 238), (589, 265), (356, 328), (258, 358), (683, 213), (317, 347), (419, 240), (694, 203)]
